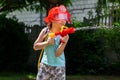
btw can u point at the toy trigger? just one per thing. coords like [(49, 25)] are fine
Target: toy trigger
[(63, 27)]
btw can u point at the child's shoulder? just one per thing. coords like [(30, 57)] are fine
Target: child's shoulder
[(45, 30)]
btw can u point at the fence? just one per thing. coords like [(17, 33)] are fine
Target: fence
[(100, 18)]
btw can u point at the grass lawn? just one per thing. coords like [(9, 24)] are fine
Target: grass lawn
[(12, 76), (18, 76), (92, 77)]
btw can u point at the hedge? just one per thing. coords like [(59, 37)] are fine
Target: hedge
[(94, 51), (14, 45)]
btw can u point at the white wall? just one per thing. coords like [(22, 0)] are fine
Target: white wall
[(79, 10), (28, 17)]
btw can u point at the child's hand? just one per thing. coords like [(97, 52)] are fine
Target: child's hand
[(50, 41), (65, 39)]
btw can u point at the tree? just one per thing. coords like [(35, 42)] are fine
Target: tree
[(38, 5)]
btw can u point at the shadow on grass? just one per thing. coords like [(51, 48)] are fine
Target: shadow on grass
[(92, 77), (29, 76), (85, 77)]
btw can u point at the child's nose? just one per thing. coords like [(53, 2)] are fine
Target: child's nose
[(63, 21)]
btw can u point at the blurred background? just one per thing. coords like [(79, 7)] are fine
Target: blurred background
[(88, 52)]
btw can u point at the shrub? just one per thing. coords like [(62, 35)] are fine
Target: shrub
[(14, 45), (94, 51)]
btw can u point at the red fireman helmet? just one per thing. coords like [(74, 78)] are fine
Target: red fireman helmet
[(58, 13)]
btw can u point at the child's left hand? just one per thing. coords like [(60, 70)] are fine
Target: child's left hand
[(65, 39)]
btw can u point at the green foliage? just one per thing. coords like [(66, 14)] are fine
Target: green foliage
[(94, 51), (45, 4), (76, 23), (14, 45), (34, 5), (11, 5)]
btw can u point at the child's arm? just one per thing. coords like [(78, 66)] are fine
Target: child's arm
[(40, 43), (62, 46)]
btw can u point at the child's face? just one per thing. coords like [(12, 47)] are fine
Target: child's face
[(60, 20), (59, 23)]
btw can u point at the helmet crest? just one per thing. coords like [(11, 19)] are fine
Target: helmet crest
[(58, 13)]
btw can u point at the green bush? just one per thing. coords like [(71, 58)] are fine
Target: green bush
[(14, 45), (94, 51)]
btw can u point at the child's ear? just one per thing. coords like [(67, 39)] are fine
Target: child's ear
[(52, 20)]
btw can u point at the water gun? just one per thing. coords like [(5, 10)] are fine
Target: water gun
[(63, 32)]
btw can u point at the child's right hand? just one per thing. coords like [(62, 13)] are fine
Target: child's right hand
[(50, 41)]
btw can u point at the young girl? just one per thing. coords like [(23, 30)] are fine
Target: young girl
[(52, 65)]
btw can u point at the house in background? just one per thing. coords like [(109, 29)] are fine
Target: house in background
[(30, 18), (81, 10)]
